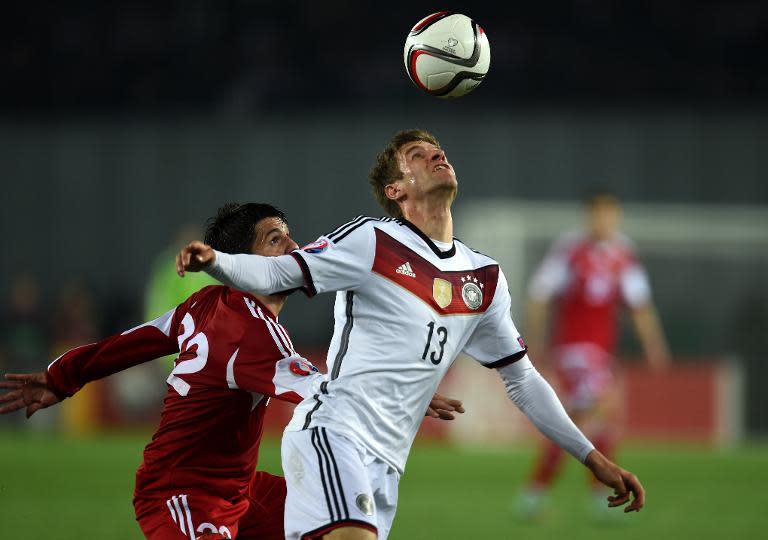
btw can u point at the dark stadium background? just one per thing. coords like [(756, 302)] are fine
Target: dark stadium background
[(121, 121)]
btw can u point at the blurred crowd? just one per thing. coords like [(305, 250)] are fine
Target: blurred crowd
[(33, 334)]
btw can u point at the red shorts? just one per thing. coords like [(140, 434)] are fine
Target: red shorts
[(178, 516), (583, 372)]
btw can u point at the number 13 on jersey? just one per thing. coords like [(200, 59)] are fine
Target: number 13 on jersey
[(435, 348)]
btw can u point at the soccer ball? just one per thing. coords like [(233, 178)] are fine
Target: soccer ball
[(447, 54)]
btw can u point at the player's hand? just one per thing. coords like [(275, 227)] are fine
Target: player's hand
[(443, 408), (626, 486), (194, 257), (27, 390)]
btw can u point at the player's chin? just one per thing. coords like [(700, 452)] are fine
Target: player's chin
[(445, 180)]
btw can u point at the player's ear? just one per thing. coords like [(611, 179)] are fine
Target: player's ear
[(393, 191)]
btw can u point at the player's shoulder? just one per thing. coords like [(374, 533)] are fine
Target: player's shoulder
[(244, 314), (207, 295), (361, 223), (222, 302)]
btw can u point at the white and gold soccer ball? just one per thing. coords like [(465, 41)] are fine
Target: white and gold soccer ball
[(447, 54)]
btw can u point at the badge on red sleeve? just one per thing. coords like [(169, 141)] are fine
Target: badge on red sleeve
[(318, 246)]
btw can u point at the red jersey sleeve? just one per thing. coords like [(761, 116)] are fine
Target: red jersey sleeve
[(154, 339)]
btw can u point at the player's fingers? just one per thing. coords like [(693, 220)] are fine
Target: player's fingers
[(439, 401), (618, 500), (445, 415), (12, 407), (440, 404), (449, 403), (432, 413), (634, 506), (196, 247), (27, 378), (187, 257), (10, 385), (637, 490), (22, 377), (457, 405), (15, 393), (620, 493)]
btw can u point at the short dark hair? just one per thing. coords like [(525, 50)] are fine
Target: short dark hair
[(233, 229), (387, 169)]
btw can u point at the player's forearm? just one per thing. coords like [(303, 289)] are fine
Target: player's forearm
[(257, 274), (535, 397), (77, 367)]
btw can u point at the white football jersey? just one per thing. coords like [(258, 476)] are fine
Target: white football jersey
[(404, 311)]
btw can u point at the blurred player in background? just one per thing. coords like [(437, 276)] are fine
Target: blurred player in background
[(199, 473), (164, 289), (409, 298), (584, 280)]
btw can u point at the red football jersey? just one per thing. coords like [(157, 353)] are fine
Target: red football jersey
[(588, 281), (233, 356)]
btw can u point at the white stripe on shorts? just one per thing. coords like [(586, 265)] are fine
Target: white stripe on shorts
[(189, 517), (180, 514), (172, 511)]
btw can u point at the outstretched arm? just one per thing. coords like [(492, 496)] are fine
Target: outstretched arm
[(254, 273), (535, 397), (75, 368)]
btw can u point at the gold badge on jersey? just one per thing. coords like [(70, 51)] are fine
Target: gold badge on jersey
[(442, 292)]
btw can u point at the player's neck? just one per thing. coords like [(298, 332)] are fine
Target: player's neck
[(432, 218), (273, 303)]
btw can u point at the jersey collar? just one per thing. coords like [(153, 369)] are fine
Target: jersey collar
[(427, 240)]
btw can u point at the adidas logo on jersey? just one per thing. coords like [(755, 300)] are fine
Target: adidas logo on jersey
[(406, 270)]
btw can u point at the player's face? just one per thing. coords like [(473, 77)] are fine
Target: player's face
[(604, 219), (272, 238), (425, 169)]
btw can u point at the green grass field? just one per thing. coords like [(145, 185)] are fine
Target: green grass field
[(58, 488)]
